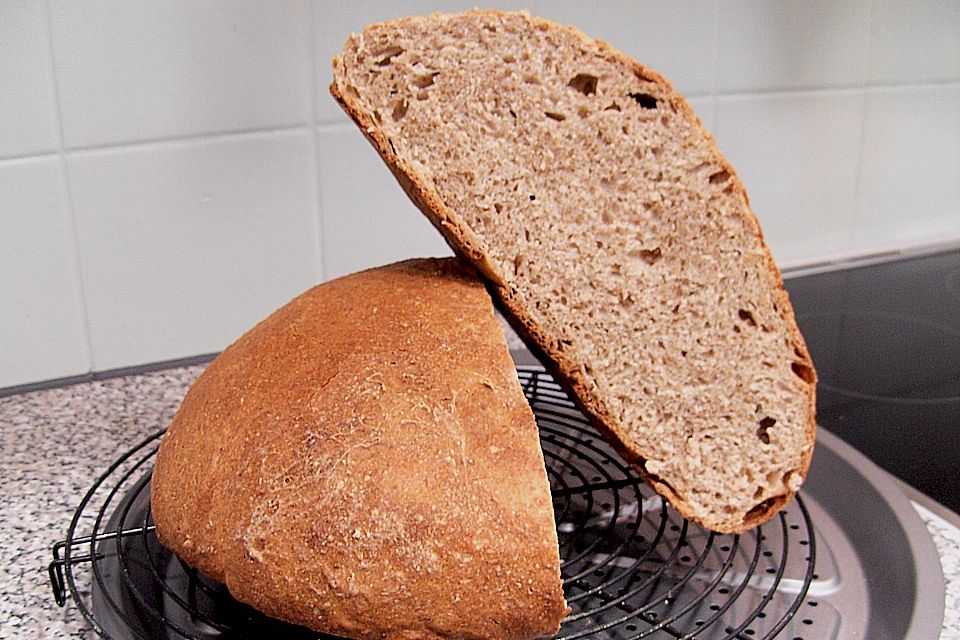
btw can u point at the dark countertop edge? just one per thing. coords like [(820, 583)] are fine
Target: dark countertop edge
[(151, 367)]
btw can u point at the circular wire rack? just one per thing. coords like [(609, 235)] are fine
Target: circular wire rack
[(632, 567)]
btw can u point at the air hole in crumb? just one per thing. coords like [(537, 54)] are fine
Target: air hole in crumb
[(399, 110), (583, 112), (803, 371), (532, 197), (387, 55), (720, 176), (683, 354), (645, 100), (513, 113), (650, 256), (559, 117), (736, 328), (758, 493), (517, 262), (613, 107), (585, 83), (498, 207), (422, 94), (425, 80), (509, 58), (747, 317), (765, 424), (760, 509)]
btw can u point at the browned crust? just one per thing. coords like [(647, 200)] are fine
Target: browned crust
[(462, 241), (359, 464)]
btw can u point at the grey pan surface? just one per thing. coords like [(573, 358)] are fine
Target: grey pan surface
[(887, 581)]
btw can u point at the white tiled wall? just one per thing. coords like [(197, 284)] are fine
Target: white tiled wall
[(170, 172), (186, 244), (799, 162), (28, 121)]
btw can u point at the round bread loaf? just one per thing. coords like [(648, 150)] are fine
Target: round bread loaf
[(363, 462)]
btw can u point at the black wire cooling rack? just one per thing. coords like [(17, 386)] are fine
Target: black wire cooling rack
[(632, 567)]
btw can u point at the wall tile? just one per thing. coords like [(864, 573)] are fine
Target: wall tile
[(780, 44), (704, 108), (367, 218), (915, 41), (132, 71), (28, 121), (41, 316), (797, 156), (184, 246), (652, 32), (909, 188)]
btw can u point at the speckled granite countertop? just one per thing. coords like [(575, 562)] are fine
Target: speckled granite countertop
[(54, 443)]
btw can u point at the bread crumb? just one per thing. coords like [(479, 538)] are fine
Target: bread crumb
[(793, 481)]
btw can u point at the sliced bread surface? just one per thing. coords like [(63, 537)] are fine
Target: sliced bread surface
[(363, 462), (614, 235)]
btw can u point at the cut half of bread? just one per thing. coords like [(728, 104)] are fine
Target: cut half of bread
[(615, 237), (363, 462)]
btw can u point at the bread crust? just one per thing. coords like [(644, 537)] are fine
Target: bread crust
[(363, 462), (464, 243)]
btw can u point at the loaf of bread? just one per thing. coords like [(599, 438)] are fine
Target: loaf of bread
[(615, 237), (363, 462)]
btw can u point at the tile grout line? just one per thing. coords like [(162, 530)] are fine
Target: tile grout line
[(315, 140), (197, 137), (838, 89), (29, 156), (155, 142), (78, 284)]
